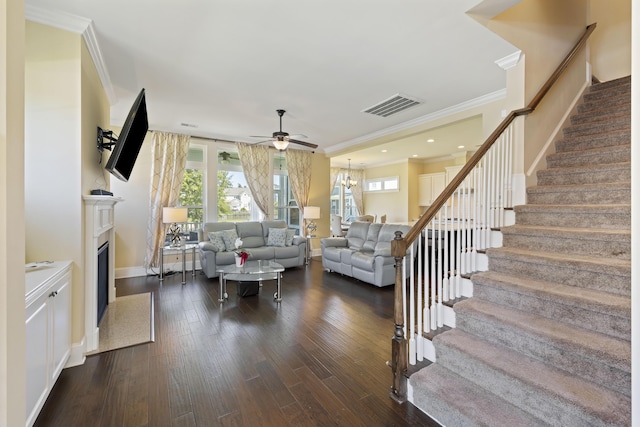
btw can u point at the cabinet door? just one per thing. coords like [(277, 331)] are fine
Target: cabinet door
[(437, 185), (37, 325), (61, 326), (424, 190)]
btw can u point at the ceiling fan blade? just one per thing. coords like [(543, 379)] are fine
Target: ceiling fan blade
[(260, 142), (306, 144), (260, 136)]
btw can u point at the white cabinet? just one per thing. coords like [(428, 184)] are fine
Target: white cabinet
[(48, 330), (451, 172), (430, 185)]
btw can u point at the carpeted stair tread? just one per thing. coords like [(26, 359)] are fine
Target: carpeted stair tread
[(598, 311), (589, 299), (584, 241), (615, 123), (601, 155), (590, 345), (599, 273), (456, 402), (588, 174), (605, 193), (598, 139), (598, 112), (540, 389), (611, 84), (578, 215)]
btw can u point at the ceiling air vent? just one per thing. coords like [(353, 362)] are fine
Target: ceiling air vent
[(392, 105)]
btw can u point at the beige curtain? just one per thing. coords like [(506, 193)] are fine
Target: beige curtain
[(255, 165), (357, 190), (333, 177), (299, 170), (169, 153)]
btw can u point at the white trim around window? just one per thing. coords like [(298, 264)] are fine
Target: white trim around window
[(382, 185)]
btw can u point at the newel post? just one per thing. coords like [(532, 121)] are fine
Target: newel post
[(398, 361)]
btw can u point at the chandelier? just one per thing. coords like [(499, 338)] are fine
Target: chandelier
[(347, 181)]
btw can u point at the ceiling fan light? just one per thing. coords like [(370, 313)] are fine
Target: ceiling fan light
[(280, 144)]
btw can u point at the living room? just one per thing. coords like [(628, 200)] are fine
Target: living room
[(58, 206)]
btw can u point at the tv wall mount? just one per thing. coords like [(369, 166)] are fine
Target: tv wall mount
[(106, 139)]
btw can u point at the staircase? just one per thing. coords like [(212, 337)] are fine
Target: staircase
[(546, 338)]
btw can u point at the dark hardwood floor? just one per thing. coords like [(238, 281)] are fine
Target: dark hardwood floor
[(315, 359)]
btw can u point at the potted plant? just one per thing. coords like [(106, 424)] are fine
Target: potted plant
[(240, 254)]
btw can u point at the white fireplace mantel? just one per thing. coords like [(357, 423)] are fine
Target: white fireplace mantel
[(99, 228)]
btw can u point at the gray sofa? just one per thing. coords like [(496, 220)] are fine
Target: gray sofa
[(255, 239), (364, 253)]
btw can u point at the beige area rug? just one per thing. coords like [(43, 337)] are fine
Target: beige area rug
[(127, 321)]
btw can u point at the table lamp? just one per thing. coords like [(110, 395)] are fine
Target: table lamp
[(174, 216), (311, 213)]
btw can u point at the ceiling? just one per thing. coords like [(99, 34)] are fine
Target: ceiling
[(220, 69)]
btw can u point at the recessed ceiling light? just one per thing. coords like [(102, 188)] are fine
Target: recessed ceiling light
[(460, 146), (415, 155), (384, 151), (431, 140)]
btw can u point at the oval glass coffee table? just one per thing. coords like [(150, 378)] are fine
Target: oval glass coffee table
[(256, 271)]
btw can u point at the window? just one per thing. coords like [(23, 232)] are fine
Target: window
[(381, 184), (235, 202), (284, 203), (342, 202), (193, 189)]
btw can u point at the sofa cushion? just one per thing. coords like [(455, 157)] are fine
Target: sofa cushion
[(386, 235), (357, 234), (230, 237), (251, 234), (372, 237), (277, 237), (363, 260), (286, 252), (216, 239), (266, 225), (333, 253), (290, 234), (265, 252)]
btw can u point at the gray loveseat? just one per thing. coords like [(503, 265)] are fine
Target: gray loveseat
[(255, 239), (364, 253)]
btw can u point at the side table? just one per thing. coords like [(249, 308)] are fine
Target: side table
[(183, 249)]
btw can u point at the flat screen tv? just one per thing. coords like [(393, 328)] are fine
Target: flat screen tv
[(127, 147)]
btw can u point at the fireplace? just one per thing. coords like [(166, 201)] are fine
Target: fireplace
[(99, 263), (103, 280)]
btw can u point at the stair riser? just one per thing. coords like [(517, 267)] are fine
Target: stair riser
[(570, 274), (618, 247), (600, 158), (597, 196), (545, 351), (594, 141), (599, 127), (578, 220), (514, 391), (584, 176), (557, 309), (602, 114)]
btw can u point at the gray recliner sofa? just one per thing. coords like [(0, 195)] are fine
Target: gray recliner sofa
[(364, 253), (255, 238)]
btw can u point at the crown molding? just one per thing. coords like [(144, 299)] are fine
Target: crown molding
[(509, 61), (458, 108), (79, 25)]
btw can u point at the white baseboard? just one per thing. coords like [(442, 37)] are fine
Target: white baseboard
[(139, 271), (76, 357)]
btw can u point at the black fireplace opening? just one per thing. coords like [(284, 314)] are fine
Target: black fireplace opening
[(103, 280)]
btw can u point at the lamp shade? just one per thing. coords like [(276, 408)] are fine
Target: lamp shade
[(311, 212), (174, 215)]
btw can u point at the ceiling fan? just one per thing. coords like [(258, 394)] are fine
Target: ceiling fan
[(282, 139)]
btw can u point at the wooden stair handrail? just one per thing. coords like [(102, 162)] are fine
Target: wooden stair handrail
[(399, 245), (435, 207)]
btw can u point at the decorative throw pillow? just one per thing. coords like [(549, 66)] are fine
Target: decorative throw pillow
[(289, 235), (276, 236), (215, 237), (229, 237)]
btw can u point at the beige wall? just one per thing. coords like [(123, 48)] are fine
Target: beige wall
[(64, 104), (320, 195), (12, 314), (610, 44), (394, 203), (545, 30)]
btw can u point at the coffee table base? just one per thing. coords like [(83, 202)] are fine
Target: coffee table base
[(223, 277)]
